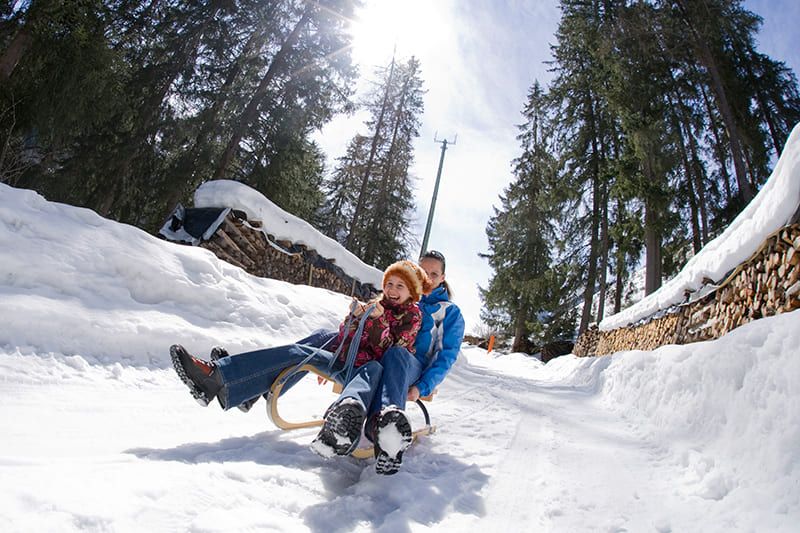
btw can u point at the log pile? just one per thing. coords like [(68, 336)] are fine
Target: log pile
[(768, 283), (587, 342), (244, 244)]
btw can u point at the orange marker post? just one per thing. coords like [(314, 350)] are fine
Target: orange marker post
[(491, 344)]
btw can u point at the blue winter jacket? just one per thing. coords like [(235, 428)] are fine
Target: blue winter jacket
[(439, 338)]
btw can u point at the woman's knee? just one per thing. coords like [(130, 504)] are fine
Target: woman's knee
[(373, 369), (396, 356)]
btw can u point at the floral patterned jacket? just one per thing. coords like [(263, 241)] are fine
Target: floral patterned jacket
[(397, 326)]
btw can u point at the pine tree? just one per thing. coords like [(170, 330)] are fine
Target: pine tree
[(158, 95), (524, 296), (371, 186)]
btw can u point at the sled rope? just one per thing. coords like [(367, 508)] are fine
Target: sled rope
[(353, 348), (351, 354)]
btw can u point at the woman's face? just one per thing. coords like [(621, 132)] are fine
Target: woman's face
[(433, 267), (395, 290)]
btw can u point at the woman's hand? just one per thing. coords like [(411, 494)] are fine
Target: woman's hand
[(413, 394)]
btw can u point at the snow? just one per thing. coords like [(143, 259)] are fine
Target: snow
[(99, 434), (283, 225), (771, 209)]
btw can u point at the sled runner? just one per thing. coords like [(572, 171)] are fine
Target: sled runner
[(279, 421)]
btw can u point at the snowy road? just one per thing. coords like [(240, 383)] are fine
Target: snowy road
[(520, 447), (98, 434)]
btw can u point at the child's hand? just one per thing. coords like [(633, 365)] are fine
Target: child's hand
[(378, 311), (358, 308)]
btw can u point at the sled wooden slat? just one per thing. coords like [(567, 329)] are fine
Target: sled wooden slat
[(275, 392)]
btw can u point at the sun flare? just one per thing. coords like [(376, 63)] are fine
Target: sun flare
[(383, 25)]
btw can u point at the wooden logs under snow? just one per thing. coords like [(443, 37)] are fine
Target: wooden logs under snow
[(243, 244), (766, 284)]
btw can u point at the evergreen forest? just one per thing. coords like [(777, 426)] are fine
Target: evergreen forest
[(127, 106), (661, 123)]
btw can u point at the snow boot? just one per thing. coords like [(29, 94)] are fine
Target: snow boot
[(392, 437), (218, 352), (342, 429), (201, 377)]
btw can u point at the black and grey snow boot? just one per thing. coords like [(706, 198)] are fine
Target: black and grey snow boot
[(218, 352), (246, 405), (200, 376), (392, 437), (342, 429)]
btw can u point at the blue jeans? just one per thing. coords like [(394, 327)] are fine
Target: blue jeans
[(250, 374), (400, 370), (378, 384)]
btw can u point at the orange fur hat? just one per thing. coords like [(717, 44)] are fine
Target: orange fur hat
[(416, 279)]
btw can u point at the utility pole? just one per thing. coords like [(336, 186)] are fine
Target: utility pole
[(435, 193)]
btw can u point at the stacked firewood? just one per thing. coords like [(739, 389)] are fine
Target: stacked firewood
[(242, 243), (587, 343), (647, 336), (766, 284)]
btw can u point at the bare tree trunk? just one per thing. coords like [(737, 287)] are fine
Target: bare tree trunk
[(718, 146), (14, 52), (591, 275), (699, 188), (652, 241), (697, 241), (362, 195), (706, 57), (601, 305), (621, 270), (250, 112), (520, 331)]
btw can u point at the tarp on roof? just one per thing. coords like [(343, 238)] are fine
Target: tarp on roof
[(193, 225)]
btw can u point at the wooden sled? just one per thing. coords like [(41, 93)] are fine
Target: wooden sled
[(360, 453)]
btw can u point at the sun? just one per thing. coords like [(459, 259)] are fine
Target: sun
[(381, 26)]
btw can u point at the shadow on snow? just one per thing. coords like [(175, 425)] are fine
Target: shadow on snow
[(429, 486)]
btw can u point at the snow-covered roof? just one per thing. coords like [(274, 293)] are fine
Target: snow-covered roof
[(283, 225), (771, 209)]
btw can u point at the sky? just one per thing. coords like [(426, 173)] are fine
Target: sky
[(99, 433), (479, 59)]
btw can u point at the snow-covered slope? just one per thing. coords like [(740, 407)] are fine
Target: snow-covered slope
[(771, 209), (98, 435), (75, 283)]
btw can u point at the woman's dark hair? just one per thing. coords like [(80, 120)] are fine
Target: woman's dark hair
[(433, 254)]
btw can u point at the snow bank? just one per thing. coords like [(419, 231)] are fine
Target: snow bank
[(283, 225), (771, 209), (723, 413), (112, 292), (726, 410)]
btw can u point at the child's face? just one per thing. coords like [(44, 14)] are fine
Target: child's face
[(395, 290)]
